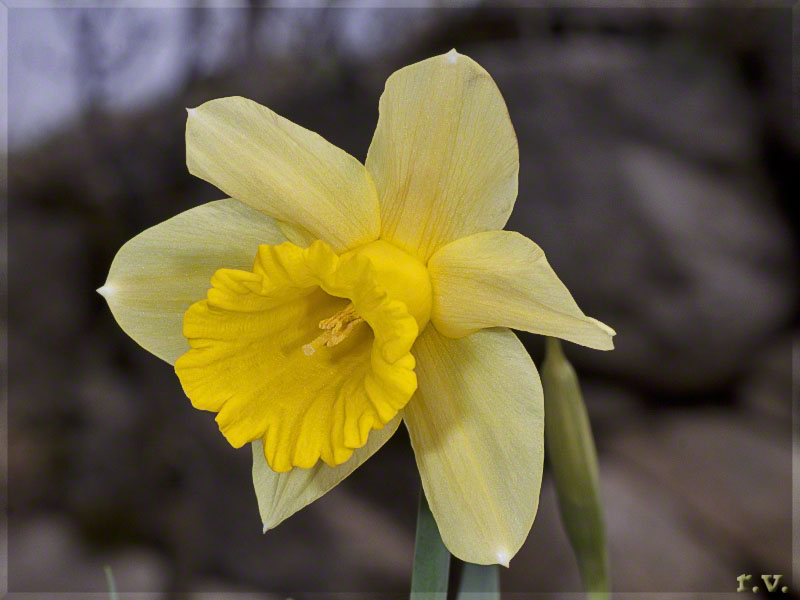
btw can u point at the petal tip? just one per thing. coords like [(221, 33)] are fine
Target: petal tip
[(605, 328), (105, 291), (190, 111), (451, 57), (270, 525), (503, 558)]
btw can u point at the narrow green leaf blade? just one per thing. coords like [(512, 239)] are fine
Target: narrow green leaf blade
[(571, 453), (112, 586), (431, 558)]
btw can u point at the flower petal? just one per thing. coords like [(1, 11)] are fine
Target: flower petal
[(477, 429), (255, 360), (502, 279), (444, 156), (280, 495), (283, 170), (157, 275)]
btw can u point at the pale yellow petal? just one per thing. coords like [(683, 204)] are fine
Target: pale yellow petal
[(157, 275), (280, 495), (297, 235), (444, 157), (283, 170), (502, 279), (477, 427)]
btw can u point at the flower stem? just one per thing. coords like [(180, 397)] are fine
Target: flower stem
[(431, 568), (479, 582)]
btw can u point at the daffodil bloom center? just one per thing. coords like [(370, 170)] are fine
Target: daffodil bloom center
[(337, 328), (310, 351)]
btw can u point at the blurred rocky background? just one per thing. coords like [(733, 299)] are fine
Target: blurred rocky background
[(659, 161)]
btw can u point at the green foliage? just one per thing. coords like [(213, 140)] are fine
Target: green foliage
[(572, 456), (431, 559)]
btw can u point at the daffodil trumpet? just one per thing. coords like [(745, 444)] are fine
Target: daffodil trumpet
[(346, 297)]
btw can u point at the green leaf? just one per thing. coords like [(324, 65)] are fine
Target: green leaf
[(112, 586), (431, 559), (572, 456), (479, 582)]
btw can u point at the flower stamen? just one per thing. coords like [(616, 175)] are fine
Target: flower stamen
[(337, 328)]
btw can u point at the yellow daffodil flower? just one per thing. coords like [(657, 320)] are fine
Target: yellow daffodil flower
[(379, 292)]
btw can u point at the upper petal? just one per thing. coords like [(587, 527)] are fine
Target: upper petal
[(477, 427), (283, 170), (444, 156), (501, 278), (158, 274)]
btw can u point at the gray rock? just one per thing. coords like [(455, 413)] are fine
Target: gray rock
[(49, 556), (766, 391)]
